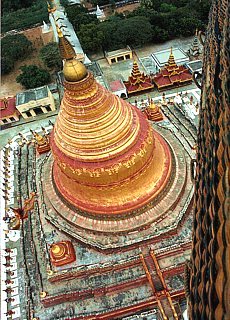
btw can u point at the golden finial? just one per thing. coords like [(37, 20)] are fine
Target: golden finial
[(43, 294), (50, 10), (48, 6), (196, 34), (50, 272), (59, 32), (66, 50), (73, 69)]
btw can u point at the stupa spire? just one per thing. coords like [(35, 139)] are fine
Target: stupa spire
[(171, 60), (66, 49), (135, 70), (195, 47), (73, 69)]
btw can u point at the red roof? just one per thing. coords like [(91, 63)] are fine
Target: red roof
[(10, 109), (116, 85), (167, 77), (138, 87)]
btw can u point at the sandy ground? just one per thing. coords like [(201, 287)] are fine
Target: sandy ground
[(9, 86), (124, 9)]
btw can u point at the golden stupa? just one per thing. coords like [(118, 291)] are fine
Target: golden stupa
[(107, 159), (153, 112)]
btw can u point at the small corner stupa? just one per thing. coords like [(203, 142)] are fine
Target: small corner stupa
[(138, 81), (87, 61), (195, 50), (100, 13), (172, 75), (153, 112)]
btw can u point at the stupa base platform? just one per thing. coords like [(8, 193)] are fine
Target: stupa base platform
[(162, 214), (104, 282)]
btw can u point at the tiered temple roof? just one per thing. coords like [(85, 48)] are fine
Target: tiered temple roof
[(172, 75), (138, 81)]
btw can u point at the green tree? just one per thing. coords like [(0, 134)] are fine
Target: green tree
[(188, 25), (73, 11), (32, 76), (7, 65), (160, 35), (91, 38), (78, 15), (16, 46), (151, 4), (127, 31), (50, 56), (26, 17), (165, 7), (14, 5)]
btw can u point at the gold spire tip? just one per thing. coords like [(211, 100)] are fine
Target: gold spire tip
[(59, 32)]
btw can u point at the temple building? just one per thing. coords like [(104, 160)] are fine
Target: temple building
[(172, 75), (138, 81), (36, 101), (160, 58), (103, 161), (109, 184), (119, 55)]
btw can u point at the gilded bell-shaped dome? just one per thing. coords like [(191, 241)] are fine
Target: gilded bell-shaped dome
[(74, 70), (107, 158)]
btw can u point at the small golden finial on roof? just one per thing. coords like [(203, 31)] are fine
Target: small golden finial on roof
[(196, 33), (4, 104)]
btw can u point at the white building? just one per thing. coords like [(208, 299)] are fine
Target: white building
[(160, 58)]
